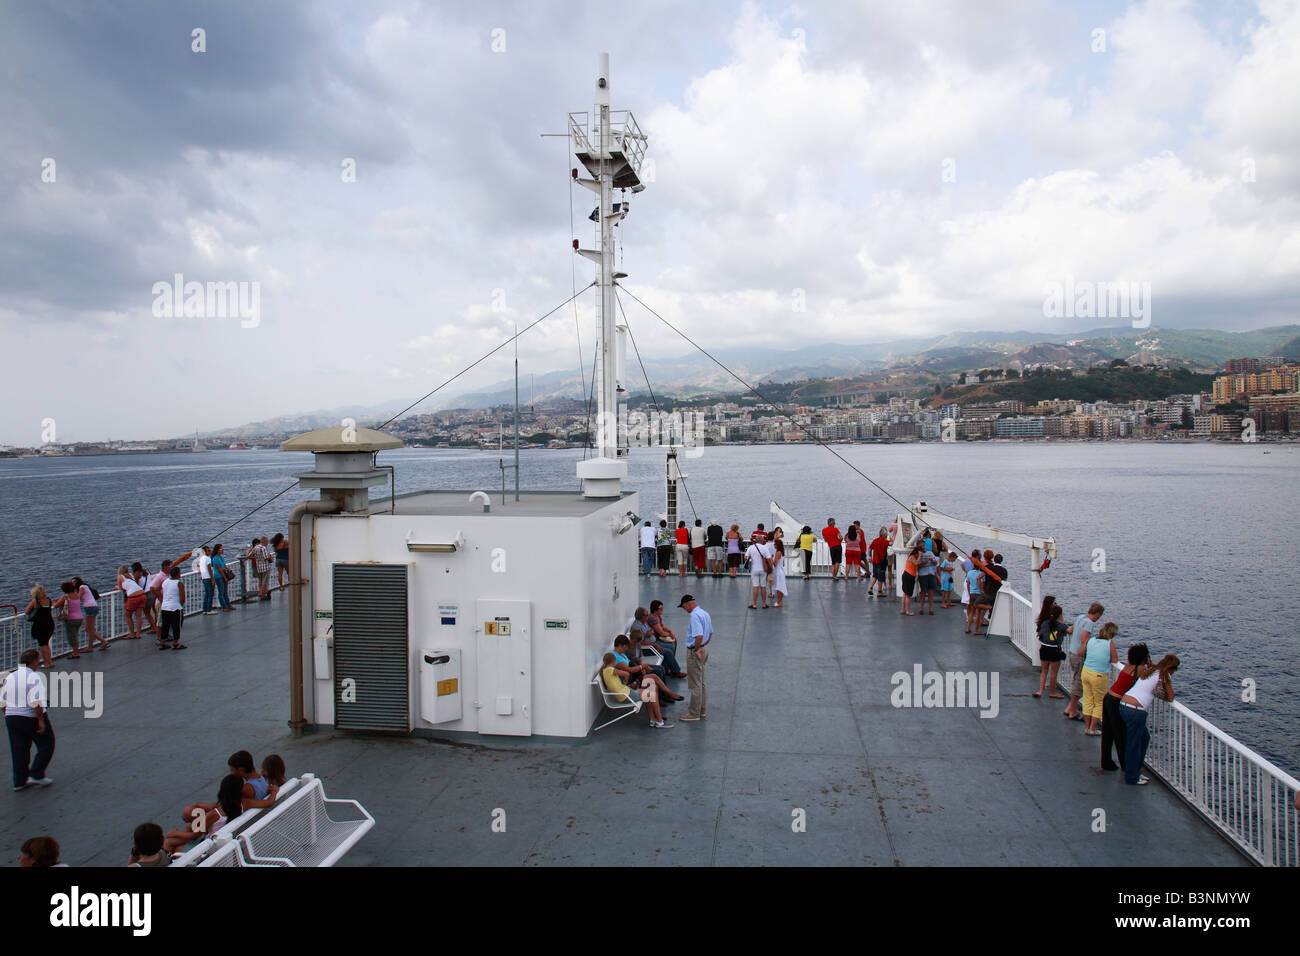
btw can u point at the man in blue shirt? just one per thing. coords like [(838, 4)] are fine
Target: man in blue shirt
[(698, 634)]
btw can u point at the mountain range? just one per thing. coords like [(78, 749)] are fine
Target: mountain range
[(695, 375)]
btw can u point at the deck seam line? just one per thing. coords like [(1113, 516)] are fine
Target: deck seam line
[(731, 733), (862, 744), (1051, 822)]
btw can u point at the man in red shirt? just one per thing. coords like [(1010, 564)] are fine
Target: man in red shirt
[(759, 535), (878, 551), (831, 535)]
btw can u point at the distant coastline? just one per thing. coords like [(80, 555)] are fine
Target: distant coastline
[(28, 454)]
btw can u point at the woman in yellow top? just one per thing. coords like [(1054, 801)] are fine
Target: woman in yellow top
[(613, 676), (806, 540)]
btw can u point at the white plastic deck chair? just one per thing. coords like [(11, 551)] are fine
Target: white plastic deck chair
[(615, 701)]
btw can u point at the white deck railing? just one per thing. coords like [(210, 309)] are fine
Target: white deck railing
[(1013, 617), (1247, 798)]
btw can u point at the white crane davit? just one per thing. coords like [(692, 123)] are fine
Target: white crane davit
[(1041, 549)]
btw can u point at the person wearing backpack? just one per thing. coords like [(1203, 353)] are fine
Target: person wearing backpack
[(1051, 635)]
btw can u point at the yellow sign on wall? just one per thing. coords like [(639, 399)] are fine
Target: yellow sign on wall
[(446, 687)]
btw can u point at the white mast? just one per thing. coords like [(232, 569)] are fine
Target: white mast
[(611, 149)]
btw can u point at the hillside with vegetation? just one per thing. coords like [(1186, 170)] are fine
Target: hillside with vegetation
[(1117, 383)]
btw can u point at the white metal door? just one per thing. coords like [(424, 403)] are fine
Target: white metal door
[(505, 667)]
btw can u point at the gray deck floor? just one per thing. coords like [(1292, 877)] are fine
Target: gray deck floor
[(799, 718)]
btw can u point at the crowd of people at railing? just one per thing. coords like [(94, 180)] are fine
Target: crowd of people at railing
[(928, 568), (1114, 711), (152, 603)]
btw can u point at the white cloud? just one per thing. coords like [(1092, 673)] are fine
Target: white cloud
[(780, 165)]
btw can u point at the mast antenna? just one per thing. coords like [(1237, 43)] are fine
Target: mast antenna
[(611, 146)]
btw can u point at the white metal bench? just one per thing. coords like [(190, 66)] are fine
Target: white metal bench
[(298, 830), (206, 847), (307, 829), (615, 702), (231, 853)]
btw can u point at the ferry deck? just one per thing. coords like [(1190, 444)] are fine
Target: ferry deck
[(799, 719)]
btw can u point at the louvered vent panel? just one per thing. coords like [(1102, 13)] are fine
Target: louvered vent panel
[(371, 647)]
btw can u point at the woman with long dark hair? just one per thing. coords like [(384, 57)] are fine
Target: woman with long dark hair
[(219, 576), (72, 617), (1051, 634), (141, 576), (204, 819), (909, 579), (1135, 705), (280, 545), (90, 608), (1113, 731), (132, 603)]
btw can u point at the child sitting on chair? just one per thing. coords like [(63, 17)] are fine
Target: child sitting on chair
[(204, 819)]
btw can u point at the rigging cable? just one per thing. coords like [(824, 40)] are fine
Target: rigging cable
[(782, 414), (651, 390), (477, 361), (485, 356)]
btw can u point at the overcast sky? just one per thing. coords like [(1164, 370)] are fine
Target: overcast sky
[(913, 168)]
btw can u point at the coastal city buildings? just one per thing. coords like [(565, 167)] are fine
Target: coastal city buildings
[(1263, 391)]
